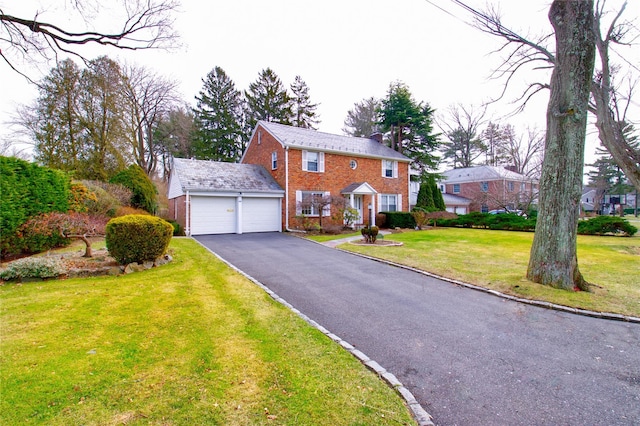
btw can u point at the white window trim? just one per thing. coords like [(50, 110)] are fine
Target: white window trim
[(394, 169), (398, 202), (305, 163), (274, 160)]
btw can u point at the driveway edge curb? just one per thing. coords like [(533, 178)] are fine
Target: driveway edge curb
[(422, 417), (539, 303)]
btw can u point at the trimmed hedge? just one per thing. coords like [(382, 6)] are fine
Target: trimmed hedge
[(28, 190), (137, 238), (505, 222), (399, 220), (606, 225), (599, 225)]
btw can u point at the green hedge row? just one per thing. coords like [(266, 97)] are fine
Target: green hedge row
[(599, 225), (28, 190)]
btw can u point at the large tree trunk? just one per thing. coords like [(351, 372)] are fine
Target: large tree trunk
[(554, 259)]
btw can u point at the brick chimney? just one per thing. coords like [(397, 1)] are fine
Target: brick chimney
[(377, 136)]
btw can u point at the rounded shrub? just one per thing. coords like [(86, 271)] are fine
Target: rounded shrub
[(137, 238)]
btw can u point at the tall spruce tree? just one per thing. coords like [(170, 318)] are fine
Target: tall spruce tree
[(304, 112), (218, 118), (268, 100)]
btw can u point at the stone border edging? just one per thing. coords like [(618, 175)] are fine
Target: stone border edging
[(420, 414), (539, 303)]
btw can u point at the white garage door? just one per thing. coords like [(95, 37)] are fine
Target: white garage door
[(261, 215), (213, 215), (218, 215)]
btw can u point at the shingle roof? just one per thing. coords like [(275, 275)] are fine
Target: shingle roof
[(482, 173), (455, 199), (214, 176), (298, 137)]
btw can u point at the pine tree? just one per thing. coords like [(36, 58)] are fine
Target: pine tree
[(218, 119), (304, 112), (362, 120), (409, 126), (268, 100)]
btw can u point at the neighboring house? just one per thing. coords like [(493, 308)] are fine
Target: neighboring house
[(456, 204), (453, 203), (590, 199), (208, 197), (309, 164), (487, 188)]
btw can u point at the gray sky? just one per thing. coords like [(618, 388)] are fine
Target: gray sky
[(344, 50)]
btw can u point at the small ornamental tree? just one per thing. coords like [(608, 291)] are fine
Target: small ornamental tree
[(50, 230)]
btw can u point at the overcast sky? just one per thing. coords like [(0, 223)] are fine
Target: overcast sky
[(345, 50)]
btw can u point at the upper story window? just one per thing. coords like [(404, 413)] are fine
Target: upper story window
[(510, 186), (353, 164), (523, 186), (484, 186), (312, 161), (274, 160), (456, 188), (389, 168)]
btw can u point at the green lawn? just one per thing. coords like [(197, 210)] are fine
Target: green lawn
[(498, 260), (189, 343)]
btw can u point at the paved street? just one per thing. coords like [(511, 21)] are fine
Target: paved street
[(468, 357)]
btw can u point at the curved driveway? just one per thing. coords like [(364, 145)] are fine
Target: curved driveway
[(468, 357)]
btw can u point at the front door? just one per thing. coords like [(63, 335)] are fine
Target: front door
[(357, 204)]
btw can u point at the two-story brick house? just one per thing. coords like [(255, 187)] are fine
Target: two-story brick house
[(307, 163), (489, 188)]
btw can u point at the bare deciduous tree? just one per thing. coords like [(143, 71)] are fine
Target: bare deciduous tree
[(609, 104), (149, 98), (462, 127), (140, 24)]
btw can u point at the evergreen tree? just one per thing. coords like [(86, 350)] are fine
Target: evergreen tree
[(438, 199), (54, 123), (362, 120), (409, 127), (268, 100), (218, 119), (425, 196), (304, 112)]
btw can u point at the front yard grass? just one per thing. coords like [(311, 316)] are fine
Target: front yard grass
[(498, 260), (188, 343)]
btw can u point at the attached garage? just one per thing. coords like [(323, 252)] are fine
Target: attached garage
[(208, 197)]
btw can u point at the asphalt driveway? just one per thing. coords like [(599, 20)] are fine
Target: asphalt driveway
[(468, 357)]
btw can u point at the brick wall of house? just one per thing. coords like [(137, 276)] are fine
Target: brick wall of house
[(498, 195), (177, 210), (337, 175)]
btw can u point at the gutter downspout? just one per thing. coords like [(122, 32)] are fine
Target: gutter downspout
[(286, 189), (187, 214)]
